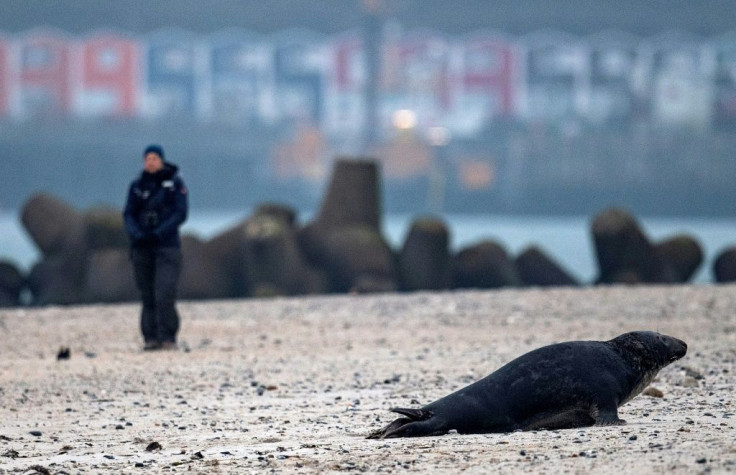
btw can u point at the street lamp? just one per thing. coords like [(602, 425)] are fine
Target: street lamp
[(438, 138), (404, 119)]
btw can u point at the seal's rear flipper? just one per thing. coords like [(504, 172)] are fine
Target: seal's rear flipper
[(389, 429), (416, 423), (413, 414)]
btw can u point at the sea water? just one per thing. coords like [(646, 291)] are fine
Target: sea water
[(566, 239)]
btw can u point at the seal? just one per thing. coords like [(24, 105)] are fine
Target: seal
[(560, 386)]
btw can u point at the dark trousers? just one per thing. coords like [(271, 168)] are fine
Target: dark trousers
[(156, 275)]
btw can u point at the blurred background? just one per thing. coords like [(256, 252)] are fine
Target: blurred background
[(519, 119)]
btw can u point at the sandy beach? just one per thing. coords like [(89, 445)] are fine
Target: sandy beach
[(295, 384)]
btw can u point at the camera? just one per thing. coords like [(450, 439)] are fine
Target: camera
[(149, 219)]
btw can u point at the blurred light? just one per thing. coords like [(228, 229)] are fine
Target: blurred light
[(438, 136), (404, 119)]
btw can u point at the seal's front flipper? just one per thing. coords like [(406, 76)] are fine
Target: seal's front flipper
[(577, 416), (608, 417)]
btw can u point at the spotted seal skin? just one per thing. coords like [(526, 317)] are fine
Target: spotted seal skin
[(560, 386)]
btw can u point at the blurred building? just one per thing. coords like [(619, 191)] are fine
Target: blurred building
[(462, 83), (516, 113)]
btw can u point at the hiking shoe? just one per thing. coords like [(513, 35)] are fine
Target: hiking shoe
[(169, 346), (152, 346)]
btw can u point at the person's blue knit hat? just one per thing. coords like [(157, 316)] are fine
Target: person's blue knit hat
[(154, 148)]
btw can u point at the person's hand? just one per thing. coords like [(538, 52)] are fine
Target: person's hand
[(136, 236)]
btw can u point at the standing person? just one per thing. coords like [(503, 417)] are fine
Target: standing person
[(156, 207)]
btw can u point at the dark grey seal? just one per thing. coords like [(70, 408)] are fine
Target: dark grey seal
[(560, 386)]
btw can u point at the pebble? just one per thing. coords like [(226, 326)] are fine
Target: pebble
[(41, 469), (653, 392), (693, 374), (689, 382), (64, 353), (153, 446)]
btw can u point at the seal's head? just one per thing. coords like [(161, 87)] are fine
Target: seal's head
[(646, 353), (653, 350)]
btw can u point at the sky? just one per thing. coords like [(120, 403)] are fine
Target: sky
[(704, 17)]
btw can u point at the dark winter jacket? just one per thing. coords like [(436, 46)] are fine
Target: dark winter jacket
[(156, 207)]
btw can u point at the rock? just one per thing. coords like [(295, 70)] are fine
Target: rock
[(370, 284), (624, 253), (537, 269), (724, 267), (260, 256), (54, 226), (105, 228), (12, 284), (688, 382), (653, 392), (64, 353), (226, 249), (202, 275), (484, 265), (693, 373), (425, 262), (153, 446), (273, 259), (344, 240), (684, 255), (282, 212), (354, 252), (353, 195), (8, 299), (110, 277), (57, 280), (59, 231)]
